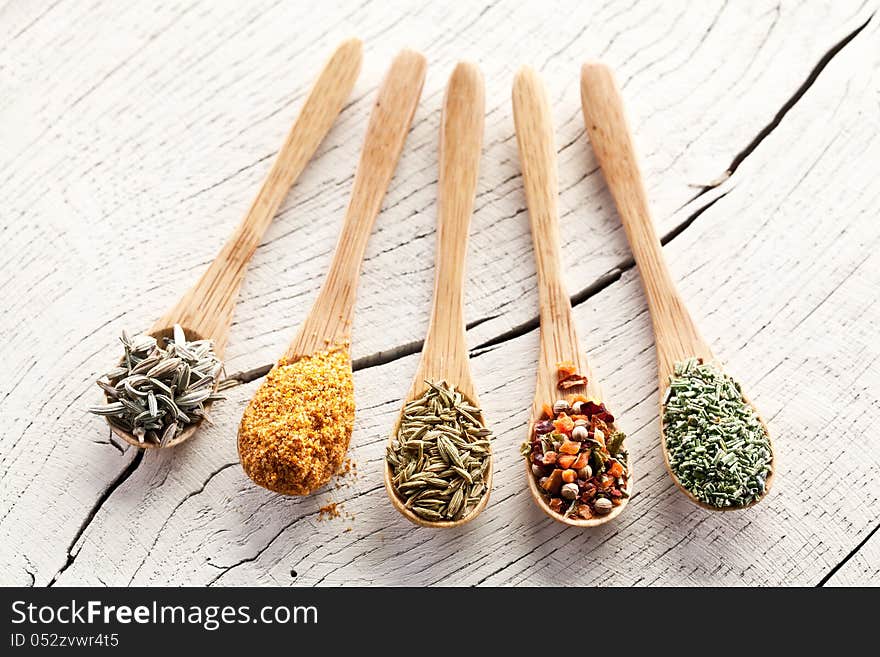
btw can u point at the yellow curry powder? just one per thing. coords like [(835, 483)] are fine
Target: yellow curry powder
[(295, 432)]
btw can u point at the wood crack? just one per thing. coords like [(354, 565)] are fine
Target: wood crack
[(259, 553), (614, 275), (799, 93), (603, 282), (388, 355), (372, 360), (183, 501), (853, 552), (116, 483)]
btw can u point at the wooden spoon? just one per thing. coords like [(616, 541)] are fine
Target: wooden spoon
[(445, 353), (328, 325), (205, 311), (559, 342), (329, 322), (676, 336)]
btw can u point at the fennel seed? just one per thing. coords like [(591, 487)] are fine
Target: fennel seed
[(439, 459)]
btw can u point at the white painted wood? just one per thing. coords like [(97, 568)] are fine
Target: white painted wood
[(124, 125)]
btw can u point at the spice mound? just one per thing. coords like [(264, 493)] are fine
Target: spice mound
[(439, 459), (295, 431), (716, 444), (156, 392), (576, 455)]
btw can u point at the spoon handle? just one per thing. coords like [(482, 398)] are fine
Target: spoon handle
[(329, 321), (208, 306), (537, 152), (444, 355), (675, 333)]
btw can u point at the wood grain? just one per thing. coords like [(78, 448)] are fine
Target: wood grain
[(168, 116)]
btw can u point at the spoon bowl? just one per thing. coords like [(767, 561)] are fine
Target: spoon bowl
[(559, 341), (693, 498), (675, 334), (546, 393), (445, 354), (437, 524), (541, 501)]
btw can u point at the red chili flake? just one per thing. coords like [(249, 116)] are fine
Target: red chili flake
[(598, 411), (606, 482), (591, 408), (556, 504), (572, 381)]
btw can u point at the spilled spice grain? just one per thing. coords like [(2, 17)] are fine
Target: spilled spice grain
[(348, 467), (328, 511), (295, 432), (347, 473)]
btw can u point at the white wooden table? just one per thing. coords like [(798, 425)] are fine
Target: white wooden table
[(134, 135)]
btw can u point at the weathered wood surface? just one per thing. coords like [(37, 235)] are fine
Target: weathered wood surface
[(132, 138)]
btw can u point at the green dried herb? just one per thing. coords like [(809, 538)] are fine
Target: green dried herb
[(440, 457), (717, 446), (615, 442)]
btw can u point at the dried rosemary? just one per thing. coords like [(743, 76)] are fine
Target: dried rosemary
[(440, 457), (156, 392), (717, 446)]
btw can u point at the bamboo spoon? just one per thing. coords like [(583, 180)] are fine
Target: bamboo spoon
[(328, 325), (559, 342), (205, 311), (329, 321), (675, 334), (445, 353)]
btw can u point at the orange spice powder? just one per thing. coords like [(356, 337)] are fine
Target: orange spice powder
[(295, 432)]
